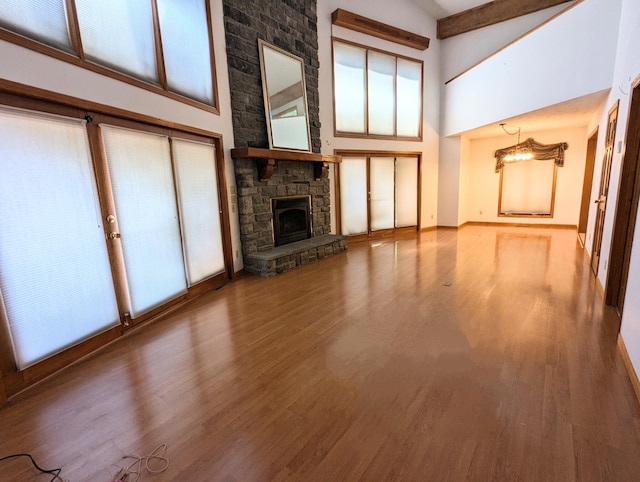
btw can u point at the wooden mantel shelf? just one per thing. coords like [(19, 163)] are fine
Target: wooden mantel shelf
[(266, 159)]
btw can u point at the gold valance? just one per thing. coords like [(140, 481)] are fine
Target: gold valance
[(540, 152)]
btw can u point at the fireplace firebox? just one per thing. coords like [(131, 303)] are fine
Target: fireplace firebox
[(291, 219)]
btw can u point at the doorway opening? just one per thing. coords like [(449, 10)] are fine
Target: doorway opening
[(587, 186)]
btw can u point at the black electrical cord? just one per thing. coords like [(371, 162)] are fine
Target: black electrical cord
[(55, 472)]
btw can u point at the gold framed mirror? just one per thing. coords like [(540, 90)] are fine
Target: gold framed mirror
[(285, 98)]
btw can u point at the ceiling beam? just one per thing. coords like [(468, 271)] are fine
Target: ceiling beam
[(490, 14), (368, 26)]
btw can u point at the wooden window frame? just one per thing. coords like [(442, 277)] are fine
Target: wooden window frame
[(368, 154), (17, 95), (79, 59), (366, 134), (529, 215)]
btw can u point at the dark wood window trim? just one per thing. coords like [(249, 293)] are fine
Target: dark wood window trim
[(345, 154), (366, 135), (529, 215), (13, 381), (8, 87), (79, 60)]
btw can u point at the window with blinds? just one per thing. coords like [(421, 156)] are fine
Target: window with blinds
[(185, 45), (349, 67), (161, 45), (527, 188), (353, 195), (119, 34), (196, 179), (376, 93), (42, 20)]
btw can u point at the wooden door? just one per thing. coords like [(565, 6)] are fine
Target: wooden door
[(604, 188), (587, 185), (626, 209)]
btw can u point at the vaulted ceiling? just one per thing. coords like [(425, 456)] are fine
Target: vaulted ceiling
[(460, 16), (445, 8)]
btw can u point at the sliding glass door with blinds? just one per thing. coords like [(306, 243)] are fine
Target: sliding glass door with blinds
[(378, 193), (145, 208), (55, 279), (83, 248), (196, 180)]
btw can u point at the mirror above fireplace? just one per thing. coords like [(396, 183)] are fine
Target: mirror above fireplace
[(285, 98)]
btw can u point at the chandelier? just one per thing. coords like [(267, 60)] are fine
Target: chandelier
[(518, 152)]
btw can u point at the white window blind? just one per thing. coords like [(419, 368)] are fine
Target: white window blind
[(185, 45), (199, 208), (409, 99), (382, 193), (43, 20), (381, 73), (527, 187), (349, 87), (146, 210), (406, 191), (376, 93), (119, 34), (55, 278), (353, 195)]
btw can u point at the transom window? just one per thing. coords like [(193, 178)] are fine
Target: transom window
[(161, 45), (376, 93)]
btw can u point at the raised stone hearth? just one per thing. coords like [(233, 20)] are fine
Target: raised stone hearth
[(290, 256)]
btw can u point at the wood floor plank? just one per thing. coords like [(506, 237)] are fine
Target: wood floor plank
[(479, 354)]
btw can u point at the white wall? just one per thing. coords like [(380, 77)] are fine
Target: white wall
[(484, 182), (449, 181), (462, 51), (627, 69), (576, 51), (465, 181), (406, 15), (30, 68), (453, 181)]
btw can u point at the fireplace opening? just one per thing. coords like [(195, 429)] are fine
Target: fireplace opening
[(291, 219)]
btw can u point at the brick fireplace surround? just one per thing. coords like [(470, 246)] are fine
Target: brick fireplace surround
[(292, 26)]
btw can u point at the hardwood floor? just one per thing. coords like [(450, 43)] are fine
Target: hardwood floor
[(484, 354)]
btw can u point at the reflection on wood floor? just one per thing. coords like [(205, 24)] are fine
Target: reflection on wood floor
[(479, 354)]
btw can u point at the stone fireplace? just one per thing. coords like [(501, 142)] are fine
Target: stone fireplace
[(289, 196), (291, 26)]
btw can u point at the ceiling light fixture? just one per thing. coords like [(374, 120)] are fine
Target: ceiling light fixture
[(517, 153)]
